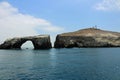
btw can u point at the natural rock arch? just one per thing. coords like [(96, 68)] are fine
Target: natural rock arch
[(39, 42)]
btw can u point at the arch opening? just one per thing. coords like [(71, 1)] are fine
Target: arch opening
[(27, 45)]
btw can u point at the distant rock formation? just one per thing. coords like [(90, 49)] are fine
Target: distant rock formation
[(90, 37), (39, 42)]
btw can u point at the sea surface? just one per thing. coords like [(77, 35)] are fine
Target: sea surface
[(60, 64)]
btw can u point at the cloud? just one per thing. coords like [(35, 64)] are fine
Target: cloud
[(13, 23), (108, 5)]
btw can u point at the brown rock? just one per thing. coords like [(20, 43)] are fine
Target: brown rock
[(90, 37)]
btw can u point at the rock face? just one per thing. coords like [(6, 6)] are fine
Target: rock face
[(39, 42), (90, 37)]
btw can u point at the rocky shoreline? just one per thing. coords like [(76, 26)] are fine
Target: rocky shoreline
[(39, 42), (88, 38), (84, 38)]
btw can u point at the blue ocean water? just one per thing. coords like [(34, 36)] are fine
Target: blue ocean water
[(60, 64)]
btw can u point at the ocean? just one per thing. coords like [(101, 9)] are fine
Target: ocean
[(60, 64)]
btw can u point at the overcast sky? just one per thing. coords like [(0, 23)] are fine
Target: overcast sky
[(34, 17)]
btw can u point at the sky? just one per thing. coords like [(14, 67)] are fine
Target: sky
[(34, 17)]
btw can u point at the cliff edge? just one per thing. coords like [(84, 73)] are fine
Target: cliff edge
[(90, 37)]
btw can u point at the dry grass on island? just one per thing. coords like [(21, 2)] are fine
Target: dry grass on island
[(90, 37)]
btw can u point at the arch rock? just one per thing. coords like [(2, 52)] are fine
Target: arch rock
[(39, 42)]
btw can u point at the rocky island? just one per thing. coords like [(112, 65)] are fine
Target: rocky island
[(90, 37), (39, 42)]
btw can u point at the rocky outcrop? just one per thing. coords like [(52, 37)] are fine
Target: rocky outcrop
[(90, 37), (39, 42)]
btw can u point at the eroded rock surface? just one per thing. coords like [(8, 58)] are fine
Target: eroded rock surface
[(90, 37), (39, 42)]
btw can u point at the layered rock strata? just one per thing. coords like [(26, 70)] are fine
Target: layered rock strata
[(39, 42), (90, 37)]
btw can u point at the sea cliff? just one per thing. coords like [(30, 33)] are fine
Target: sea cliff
[(90, 37), (39, 42)]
